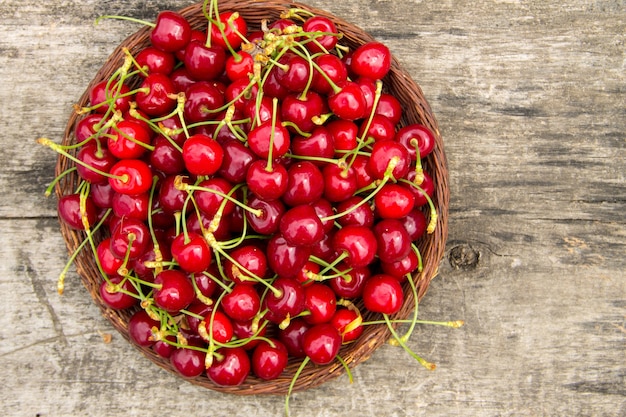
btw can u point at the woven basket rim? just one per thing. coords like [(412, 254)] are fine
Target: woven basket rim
[(416, 110)]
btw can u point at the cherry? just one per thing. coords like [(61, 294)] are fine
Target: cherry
[(357, 212), (332, 67), (141, 266), (130, 176), (250, 264), (268, 137), (286, 303), (229, 30), (94, 156), (242, 303), (291, 337), (188, 362), (372, 60), (239, 66), (217, 327), (181, 79), (191, 252), (390, 107), (426, 187), (89, 127), (300, 226), (344, 321), (247, 330), (379, 128), (382, 293), (140, 328), (203, 100), (103, 94), (204, 63), (71, 214), (116, 298), (268, 183), (402, 267), (321, 343), (133, 206), (210, 196), (394, 201), (344, 133), (319, 144), (160, 97), (202, 155), (394, 242), (323, 43), (293, 72), (358, 243), (350, 283), (305, 184), (230, 367), (340, 182), (416, 138), (165, 157), (284, 259), (130, 140), (171, 32), (270, 213), (156, 61), (382, 155), (236, 161), (415, 224), (171, 198), (198, 311), (348, 102), (130, 238), (269, 359), (324, 210), (320, 302), (102, 195), (309, 267), (165, 348), (175, 290), (108, 261), (301, 110)]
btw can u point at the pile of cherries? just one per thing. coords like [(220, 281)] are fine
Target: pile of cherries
[(248, 193)]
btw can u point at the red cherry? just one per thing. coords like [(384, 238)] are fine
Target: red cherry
[(170, 198), (166, 157), (239, 66), (88, 127), (140, 328), (321, 343), (175, 292), (300, 226), (288, 303), (242, 303), (202, 155), (217, 327), (343, 318), (380, 128), (322, 43), (402, 267), (268, 184), (171, 32), (390, 107), (344, 133), (301, 111), (319, 144), (94, 156), (103, 94), (70, 212), (305, 184), (251, 265), (426, 187), (362, 215), (159, 99), (271, 212), (333, 67), (284, 259), (349, 102), (340, 183), (291, 337), (188, 362), (372, 60), (394, 201), (357, 242), (320, 302), (233, 29), (191, 252), (118, 299), (155, 60), (260, 137), (293, 72), (230, 368), (203, 100), (108, 261), (164, 348), (236, 162), (131, 176), (394, 242), (382, 155), (135, 206), (415, 224), (130, 237), (204, 63), (350, 283), (416, 138), (211, 196), (269, 359), (129, 140), (383, 294)]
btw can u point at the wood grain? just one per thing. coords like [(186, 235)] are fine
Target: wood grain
[(531, 102)]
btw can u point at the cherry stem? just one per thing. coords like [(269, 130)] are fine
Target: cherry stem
[(433, 211), (346, 367), (269, 167), (305, 361), (455, 324), (130, 19), (420, 265), (423, 362), (56, 180)]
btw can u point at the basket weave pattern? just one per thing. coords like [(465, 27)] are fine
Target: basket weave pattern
[(416, 110)]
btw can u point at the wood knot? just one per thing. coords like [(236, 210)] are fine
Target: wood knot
[(463, 256)]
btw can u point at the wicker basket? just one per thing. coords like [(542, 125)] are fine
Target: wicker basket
[(416, 110)]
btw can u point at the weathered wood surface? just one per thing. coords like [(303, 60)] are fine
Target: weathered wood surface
[(530, 96)]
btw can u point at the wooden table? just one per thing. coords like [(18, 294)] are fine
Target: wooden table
[(530, 96)]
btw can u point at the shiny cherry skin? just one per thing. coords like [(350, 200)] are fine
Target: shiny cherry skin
[(420, 191), (394, 201), (321, 343), (394, 242), (300, 226), (101, 97), (171, 31), (305, 184), (170, 198), (134, 206), (68, 207), (131, 176), (348, 102), (265, 182), (192, 252), (269, 359), (301, 111), (318, 144), (333, 67), (402, 267), (188, 362), (118, 300), (251, 265), (203, 100), (342, 319), (323, 43), (382, 293), (230, 368), (217, 327), (242, 303), (390, 107), (358, 243), (358, 213), (159, 99), (260, 137), (291, 337), (165, 157), (233, 29), (140, 328), (210, 198), (415, 223), (128, 138), (236, 161), (416, 138), (321, 303), (382, 155), (284, 259), (380, 128), (340, 183), (350, 283), (109, 262), (130, 237), (288, 304), (98, 157), (271, 212), (372, 60), (156, 61), (239, 66), (202, 155), (293, 73), (175, 290)]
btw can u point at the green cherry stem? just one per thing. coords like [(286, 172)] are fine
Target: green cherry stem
[(422, 361), (433, 211)]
